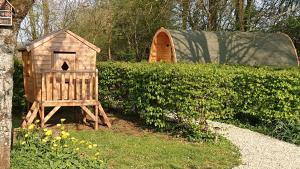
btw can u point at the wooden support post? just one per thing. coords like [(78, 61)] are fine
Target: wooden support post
[(84, 119), (54, 94), (63, 84), (71, 87), (85, 109), (33, 115), (104, 117), (50, 114), (96, 118), (96, 85), (42, 116), (30, 111), (43, 92), (83, 87), (48, 86)]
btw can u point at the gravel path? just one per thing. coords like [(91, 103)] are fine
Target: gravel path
[(259, 151)]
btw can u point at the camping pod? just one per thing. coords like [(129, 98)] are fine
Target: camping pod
[(60, 70), (246, 48)]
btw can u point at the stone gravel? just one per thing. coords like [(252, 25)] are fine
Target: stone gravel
[(259, 151)]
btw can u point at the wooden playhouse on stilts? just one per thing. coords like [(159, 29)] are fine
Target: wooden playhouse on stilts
[(60, 70)]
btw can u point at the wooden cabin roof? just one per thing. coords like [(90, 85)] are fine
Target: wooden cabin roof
[(50, 36)]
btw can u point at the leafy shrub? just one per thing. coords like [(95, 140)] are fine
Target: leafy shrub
[(179, 96), (39, 149), (18, 90), (176, 97), (287, 131)]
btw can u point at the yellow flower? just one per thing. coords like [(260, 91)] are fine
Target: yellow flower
[(45, 140), (77, 149), (48, 133), (82, 142), (62, 120), (26, 135), (31, 126), (58, 125), (58, 138), (90, 146), (65, 134), (23, 142), (66, 145), (45, 130), (54, 145), (94, 145), (97, 154), (37, 121)]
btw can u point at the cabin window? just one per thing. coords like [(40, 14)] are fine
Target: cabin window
[(65, 66), (64, 61)]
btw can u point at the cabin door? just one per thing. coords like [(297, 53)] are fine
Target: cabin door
[(64, 61)]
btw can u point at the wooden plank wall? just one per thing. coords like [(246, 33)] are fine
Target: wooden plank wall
[(42, 56), (163, 46)]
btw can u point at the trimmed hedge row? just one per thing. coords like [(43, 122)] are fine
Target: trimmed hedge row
[(176, 96), (179, 97)]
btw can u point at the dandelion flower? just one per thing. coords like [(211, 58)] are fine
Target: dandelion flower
[(65, 134), (94, 145), (23, 142), (58, 138), (31, 127), (90, 146), (45, 140), (26, 135), (66, 145), (54, 145), (48, 133), (77, 149)]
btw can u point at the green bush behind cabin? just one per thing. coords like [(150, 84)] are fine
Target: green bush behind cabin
[(177, 97)]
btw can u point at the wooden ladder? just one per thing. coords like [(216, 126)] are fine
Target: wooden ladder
[(31, 115)]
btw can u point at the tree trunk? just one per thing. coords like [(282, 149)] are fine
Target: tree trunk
[(213, 10), (239, 14), (109, 46), (46, 13), (248, 13), (185, 13), (8, 38), (32, 23), (7, 48)]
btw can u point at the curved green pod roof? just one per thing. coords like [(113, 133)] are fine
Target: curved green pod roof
[(247, 48)]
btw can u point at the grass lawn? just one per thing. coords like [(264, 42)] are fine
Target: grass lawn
[(127, 145), (151, 150)]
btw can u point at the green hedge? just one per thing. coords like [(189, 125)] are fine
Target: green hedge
[(175, 96)]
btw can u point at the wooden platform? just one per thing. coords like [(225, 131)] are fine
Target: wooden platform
[(65, 89)]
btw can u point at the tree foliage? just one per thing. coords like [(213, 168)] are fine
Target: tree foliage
[(124, 29)]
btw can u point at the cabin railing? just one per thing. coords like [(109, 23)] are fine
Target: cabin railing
[(72, 86)]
